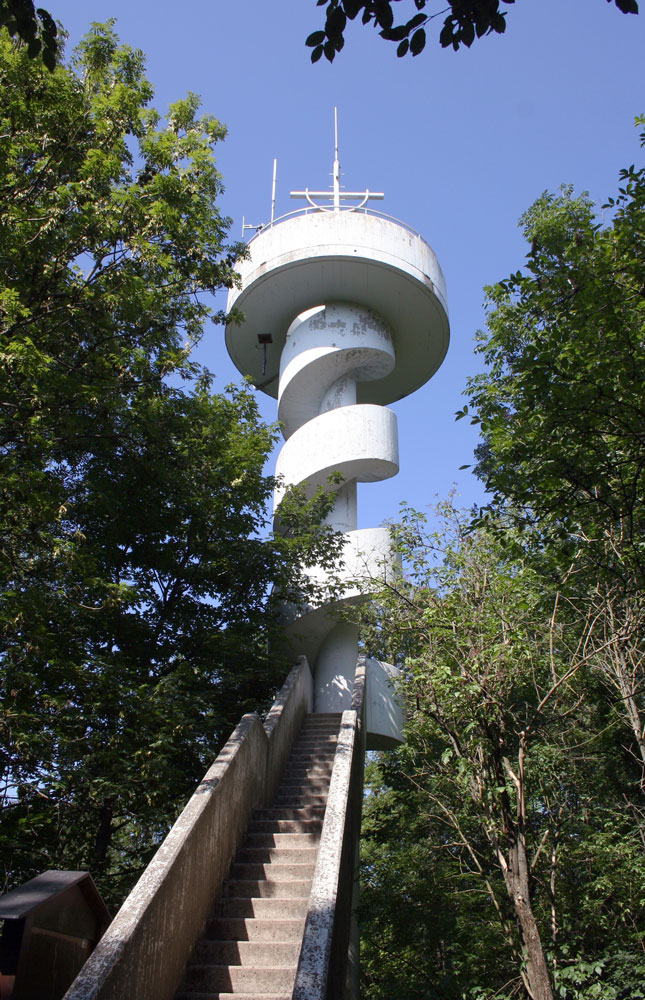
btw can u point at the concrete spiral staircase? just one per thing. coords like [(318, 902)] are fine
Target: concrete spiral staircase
[(252, 942)]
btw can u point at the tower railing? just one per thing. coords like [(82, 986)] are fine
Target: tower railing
[(326, 210)]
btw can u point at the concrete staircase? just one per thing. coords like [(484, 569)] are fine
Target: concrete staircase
[(251, 944)]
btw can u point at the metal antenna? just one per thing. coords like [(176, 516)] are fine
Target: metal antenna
[(336, 165), (248, 225), (336, 196), (335, 133), (275, 174), (258, 228)]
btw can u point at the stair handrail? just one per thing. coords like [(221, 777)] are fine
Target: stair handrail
[(145, 949), (322, 972)]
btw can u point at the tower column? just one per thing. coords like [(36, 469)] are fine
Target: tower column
[(328, 350), (344, 312)]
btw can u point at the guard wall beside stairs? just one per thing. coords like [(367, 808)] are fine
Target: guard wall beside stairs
[(144, 952), (328, 965)]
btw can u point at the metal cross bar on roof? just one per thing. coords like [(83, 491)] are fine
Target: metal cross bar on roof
[(336, 195)]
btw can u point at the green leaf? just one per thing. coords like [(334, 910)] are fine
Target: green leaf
[(417, 42), (394, 34), (415, 21)]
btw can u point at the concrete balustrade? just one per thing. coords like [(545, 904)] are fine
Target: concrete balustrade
[(144, 952), (328, 965)]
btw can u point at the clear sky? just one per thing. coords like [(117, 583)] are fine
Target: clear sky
[(461, 144)]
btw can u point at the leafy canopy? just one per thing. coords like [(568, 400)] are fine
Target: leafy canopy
[(466, 20), (560, 404), (503, 842), (516, 809), (32, 25), (136, 567)]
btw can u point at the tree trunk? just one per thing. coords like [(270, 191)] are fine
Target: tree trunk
[(516, 876), (103, 836), (626, 685)]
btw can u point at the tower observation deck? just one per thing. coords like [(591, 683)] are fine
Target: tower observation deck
[(345, 312)]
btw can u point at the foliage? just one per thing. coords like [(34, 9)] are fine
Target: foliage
[(505, 836), (521, 633), (33, 26), (560, 404), (465, 21), (562, 412), (427, 930), (135, 563)]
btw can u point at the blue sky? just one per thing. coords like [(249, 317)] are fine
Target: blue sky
[(461, 144)]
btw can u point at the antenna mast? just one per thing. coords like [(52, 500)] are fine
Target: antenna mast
[(336, 165), (336, 196), (275, 173)]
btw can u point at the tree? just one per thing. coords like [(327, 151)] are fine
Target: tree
[(562, 414), (135, 564), (560, 404), (521, 635), (505, 810), (466, 20)]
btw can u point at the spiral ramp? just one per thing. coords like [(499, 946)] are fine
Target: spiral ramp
[(344, 312)]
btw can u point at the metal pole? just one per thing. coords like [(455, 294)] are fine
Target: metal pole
[(336, 165), (275, 172)]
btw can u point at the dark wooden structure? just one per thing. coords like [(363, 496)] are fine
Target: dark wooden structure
[(51, 926)]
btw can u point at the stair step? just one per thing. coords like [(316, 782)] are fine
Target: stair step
[(262, 908), (304, 759), (315, 744), (331, 719), (303, 791), (249, 954), (308, 797), (289, 812), (280, 841), (314, 747), (317, 734), (307, 761), (318, 730), (305, 772), (198, 995), (277, 855), (315, 740), (286, 826), (277, 872), (315, 780), (255, 929), (250, 947), (218, 978), (252, 887), (299, 799)]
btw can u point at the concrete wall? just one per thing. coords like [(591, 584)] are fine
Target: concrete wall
[(384, 707), (328, 964), (283, 722), (144, 952)]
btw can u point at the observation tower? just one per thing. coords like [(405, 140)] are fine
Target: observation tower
[(345, 312)]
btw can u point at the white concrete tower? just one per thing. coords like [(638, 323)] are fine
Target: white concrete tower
[(344, 312)]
